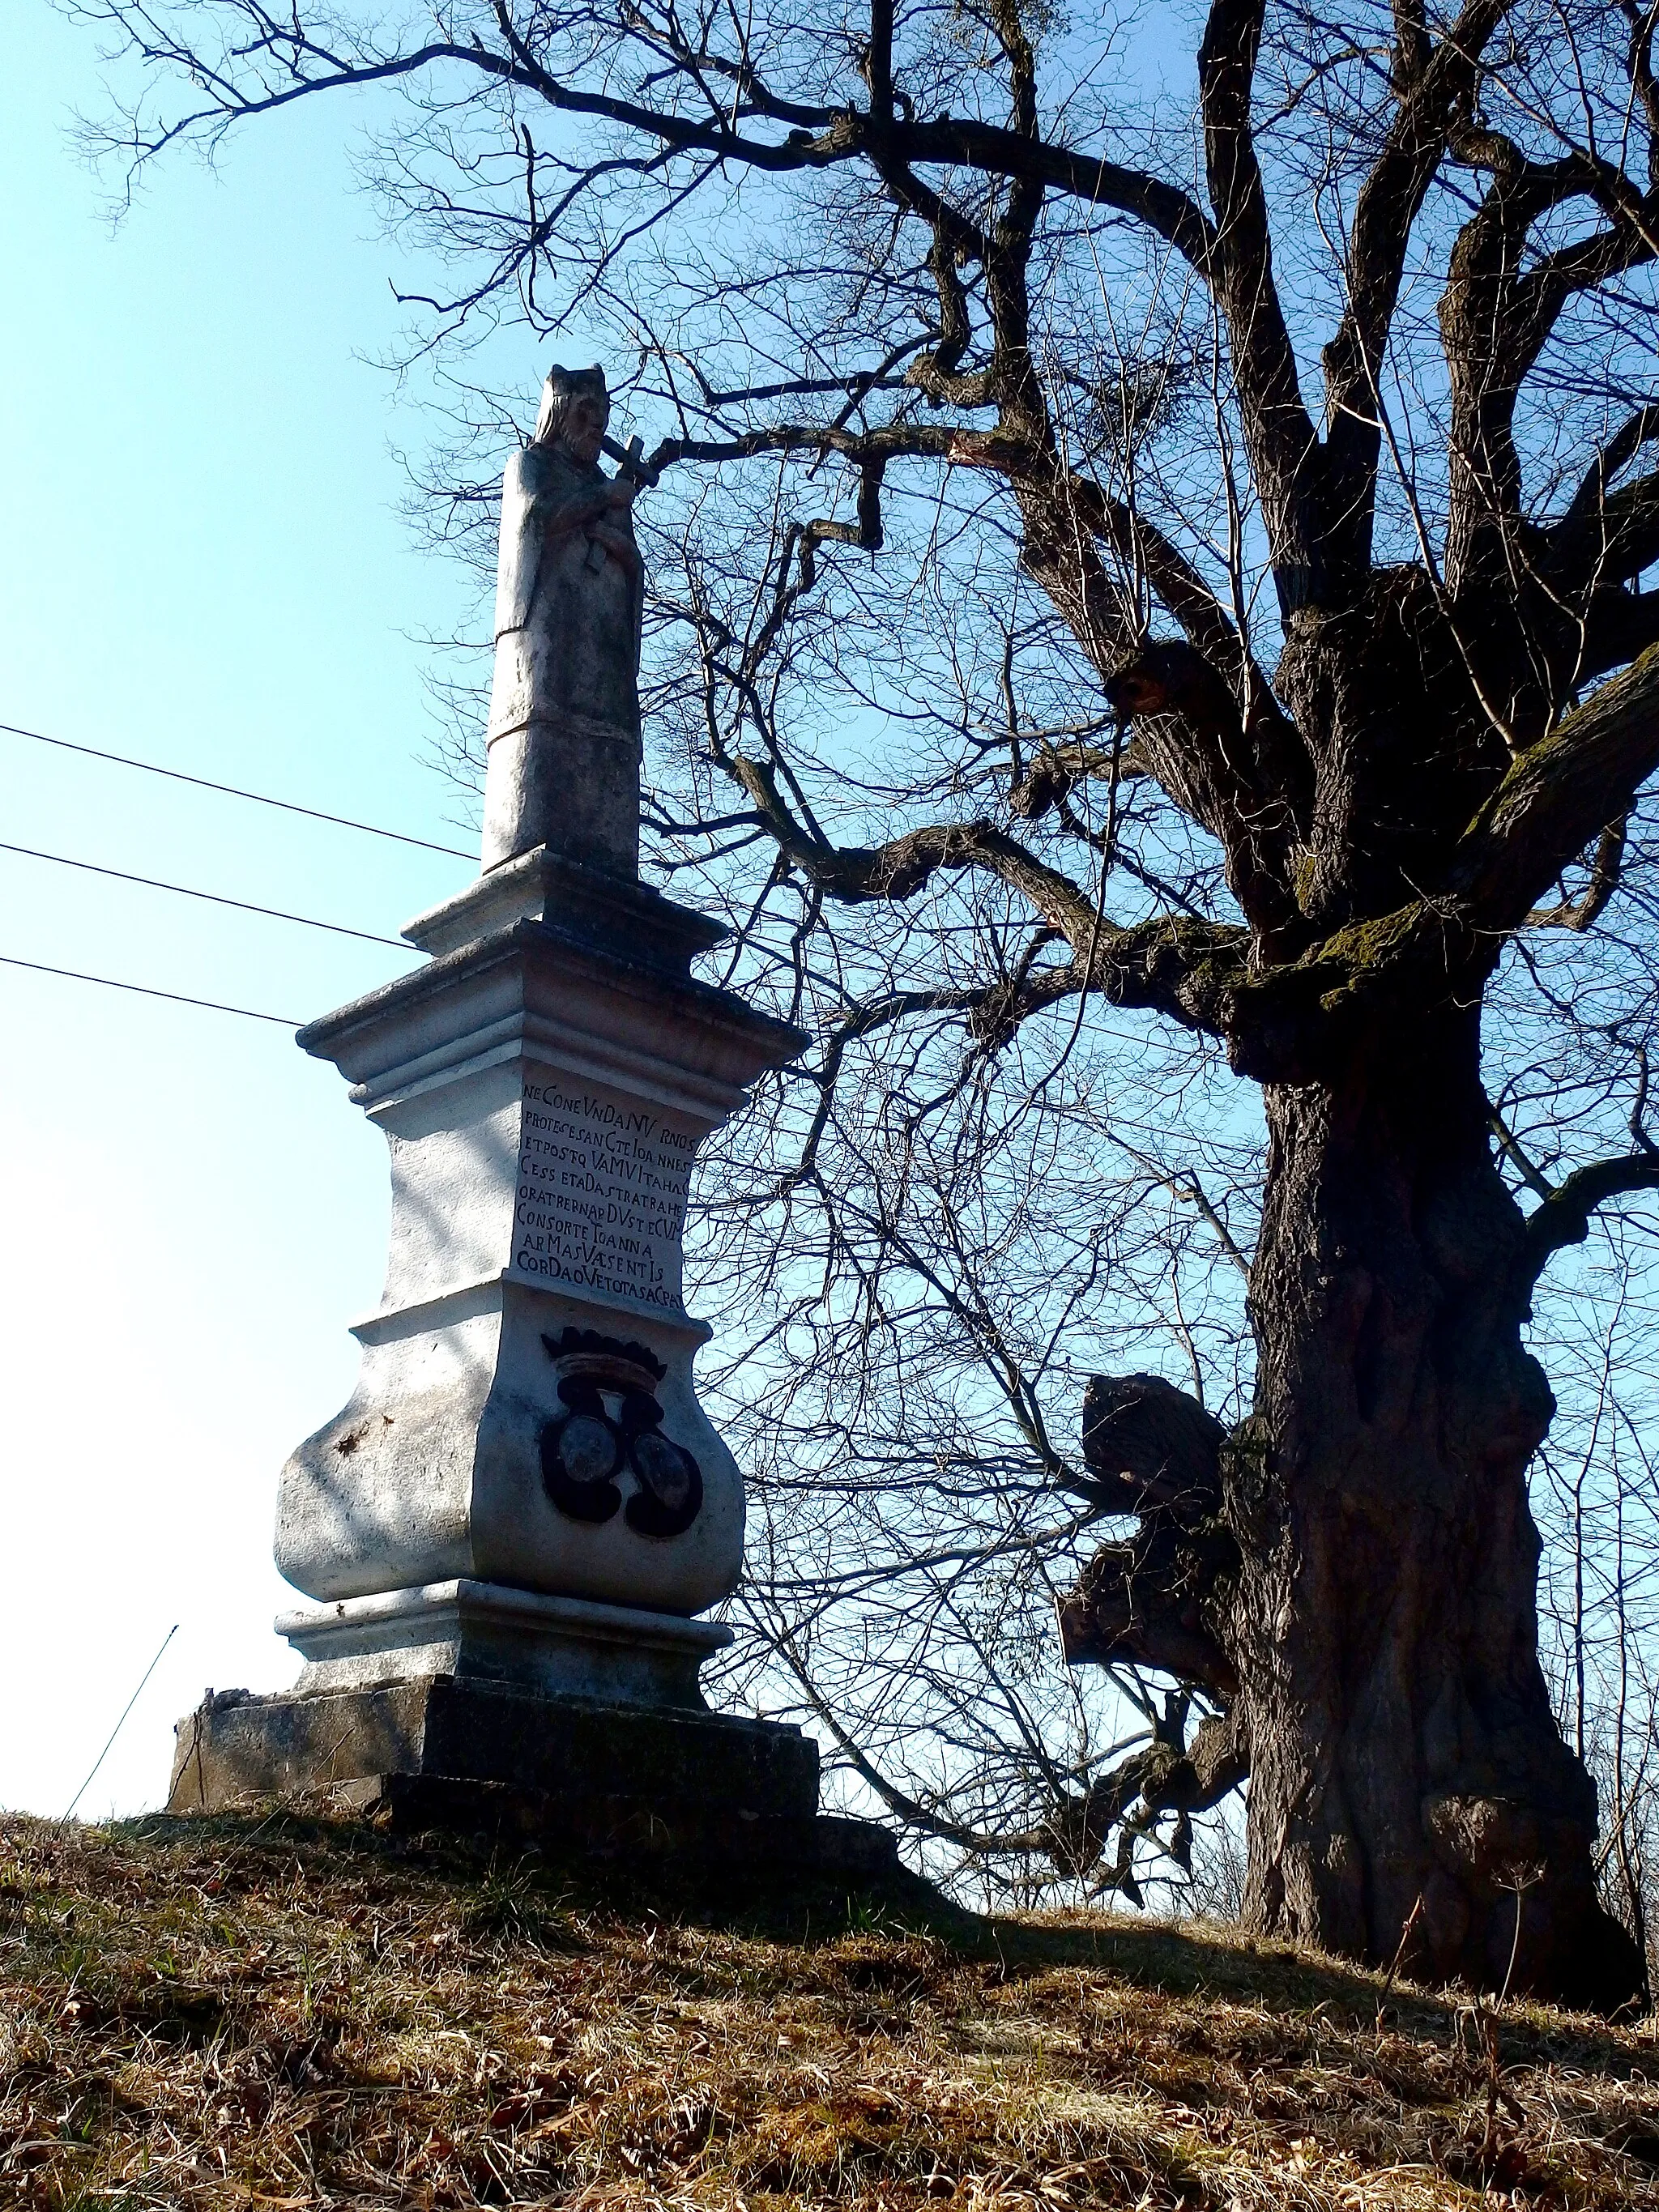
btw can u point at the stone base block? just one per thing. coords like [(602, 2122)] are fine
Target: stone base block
[(555, 1647), (783, 1845), (595, 1779)]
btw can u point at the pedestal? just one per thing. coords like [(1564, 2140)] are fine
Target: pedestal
[(525, 1413), (574, 1775), (507, 1532)]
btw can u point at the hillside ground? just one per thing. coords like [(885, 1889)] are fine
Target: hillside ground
[(271, 2013)]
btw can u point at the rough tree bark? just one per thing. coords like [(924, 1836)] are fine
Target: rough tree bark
[(1401, 1741), (1352, 1572)]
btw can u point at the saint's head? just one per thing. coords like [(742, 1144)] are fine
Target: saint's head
[(575, 408)]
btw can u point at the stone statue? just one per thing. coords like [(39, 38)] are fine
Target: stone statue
[(564, 712)]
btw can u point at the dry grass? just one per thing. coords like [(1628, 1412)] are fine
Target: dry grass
[(282, 2015)]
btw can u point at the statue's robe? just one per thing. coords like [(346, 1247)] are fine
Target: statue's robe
[(564, 712)]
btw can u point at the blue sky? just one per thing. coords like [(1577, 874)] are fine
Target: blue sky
[(202, 565)]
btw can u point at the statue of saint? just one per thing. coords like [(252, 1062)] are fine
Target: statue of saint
[(564, 712)]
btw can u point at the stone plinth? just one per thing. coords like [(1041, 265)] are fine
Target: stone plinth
[(564, 1647), (572, 1773)]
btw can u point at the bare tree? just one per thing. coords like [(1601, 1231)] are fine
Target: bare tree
[(1300, 733), (1599, 1511)]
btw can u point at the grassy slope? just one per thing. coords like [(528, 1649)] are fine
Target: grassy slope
[(231, 2012)]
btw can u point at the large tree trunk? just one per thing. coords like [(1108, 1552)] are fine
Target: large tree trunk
[(1352, 1573), (1383, 1620)]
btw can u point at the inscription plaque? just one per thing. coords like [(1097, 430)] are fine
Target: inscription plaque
[(601, 1195)]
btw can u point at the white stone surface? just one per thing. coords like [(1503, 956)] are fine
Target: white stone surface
[(559, 1646), (543, 1098)]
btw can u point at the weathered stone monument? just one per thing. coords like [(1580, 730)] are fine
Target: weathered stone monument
[(509, 1533)]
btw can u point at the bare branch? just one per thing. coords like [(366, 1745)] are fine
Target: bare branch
[(1284, 445), (1565, 1217)]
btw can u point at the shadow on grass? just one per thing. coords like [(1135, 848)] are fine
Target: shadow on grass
[(913, 1930)]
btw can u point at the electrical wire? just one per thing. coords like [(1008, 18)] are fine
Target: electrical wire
[(232, 791), (214, 898), (119, 1725), (145, 991)]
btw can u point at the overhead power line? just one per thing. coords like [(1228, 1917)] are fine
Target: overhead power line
[(214, 898), (119, 1724), (145, 991), (232, 791)]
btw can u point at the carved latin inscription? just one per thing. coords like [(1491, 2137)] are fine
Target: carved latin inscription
[(601, 1197)]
